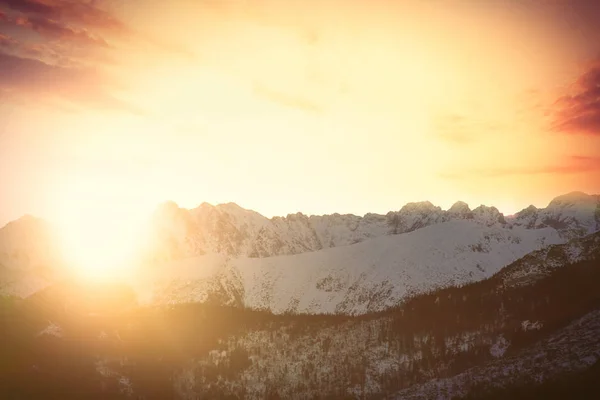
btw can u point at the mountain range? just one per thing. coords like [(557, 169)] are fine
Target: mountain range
[(420, 303), (311, 264)]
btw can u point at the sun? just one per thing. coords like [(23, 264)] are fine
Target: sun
[(99, 233), (99, 247)]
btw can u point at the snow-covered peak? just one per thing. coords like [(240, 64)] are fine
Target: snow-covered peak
[(488, 215), (25, 225), (166, 208), (460, 209), (526, 217), (423, 207), (574, 214), (236, 231), (27, 243), (415, 216), (573, 199)]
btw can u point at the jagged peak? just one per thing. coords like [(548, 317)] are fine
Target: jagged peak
[(335, 216), (459, 207), (484, 208), (489, 213), (526, 212), (573, 198), (372, 216), (419, 206), (25, 220), (230, 205), (297, 215)]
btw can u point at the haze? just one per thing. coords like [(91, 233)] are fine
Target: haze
[(109, 108)]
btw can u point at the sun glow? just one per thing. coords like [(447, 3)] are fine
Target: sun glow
[(100, 233)]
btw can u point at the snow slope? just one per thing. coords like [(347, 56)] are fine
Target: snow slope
[(364, 277), (540, 263)]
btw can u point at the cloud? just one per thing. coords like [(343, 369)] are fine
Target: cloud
[(579, 112), (82, 13), (28, 6), (27, 76), (286, 99), (570, 165), (54, 29), (85, 23), (65, 61), (74, 42), (7, 41)]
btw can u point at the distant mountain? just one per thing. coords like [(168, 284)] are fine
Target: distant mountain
[(29, 256), (573, 215), (229, 229), (330, 263), (364, 277), (415, 250)]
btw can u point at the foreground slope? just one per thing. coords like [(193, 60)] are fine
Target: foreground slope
[(435, 345)]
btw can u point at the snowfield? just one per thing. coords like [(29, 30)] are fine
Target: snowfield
[(364, 277)]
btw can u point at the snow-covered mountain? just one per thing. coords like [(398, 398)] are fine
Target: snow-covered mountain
[(28, 256), (364, 277), (345, 264), (229, 229), (330, 263), (574, 214), (540, 263)]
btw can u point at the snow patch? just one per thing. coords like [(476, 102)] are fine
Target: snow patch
[(52, 330), (498, 349)]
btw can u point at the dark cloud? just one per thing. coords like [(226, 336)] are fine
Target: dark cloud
[(54, 29), (55, 65), (80, 22), (7, 41), (579, 112), (27, 76), (82, 13), (570, 165), (29, 6)]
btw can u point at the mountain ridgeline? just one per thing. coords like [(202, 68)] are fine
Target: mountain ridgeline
[(232, 230), (318, 264)]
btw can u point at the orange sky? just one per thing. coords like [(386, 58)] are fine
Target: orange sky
[(108, 108)]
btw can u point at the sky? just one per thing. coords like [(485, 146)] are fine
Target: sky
[(108, 108)]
